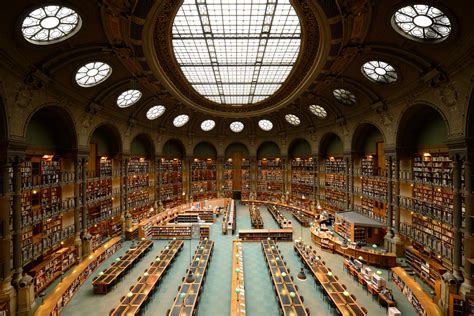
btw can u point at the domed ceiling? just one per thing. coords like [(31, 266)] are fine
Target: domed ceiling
[(234, 67)]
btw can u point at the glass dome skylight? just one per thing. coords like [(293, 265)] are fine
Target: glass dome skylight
[(50, 24), (422, 22), (236, 52), (155, 112), (180, 120)]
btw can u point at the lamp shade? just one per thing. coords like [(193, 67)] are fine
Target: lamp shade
[(129, 294), (345, 293), (283, 274), (292, 294), (237, 270), (101, 273), (237, 290)]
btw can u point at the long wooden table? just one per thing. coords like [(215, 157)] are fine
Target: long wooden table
[(109, 277), (132, 303), (290, 304), (237, 300), (303, 218), (345, 304), (186, 300), (255, 217)]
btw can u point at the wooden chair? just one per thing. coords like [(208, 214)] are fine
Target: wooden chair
[(353, 297), (364, 310)]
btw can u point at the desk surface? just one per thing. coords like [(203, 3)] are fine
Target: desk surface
[(118, 267), (188, 293), (284, 286), (344, 303), (237, 300), (137, 296)]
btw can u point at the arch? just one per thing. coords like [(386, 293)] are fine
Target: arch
[(173, 148), (470, 117), (51, 129), (421, 126), (108, 139), (143, 145), (204, 150), (268, 149), (3, 120), (365, 137), (236, 147), (331, 145), (299, 148)]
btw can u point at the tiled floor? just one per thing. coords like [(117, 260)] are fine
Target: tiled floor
[(215, 298)]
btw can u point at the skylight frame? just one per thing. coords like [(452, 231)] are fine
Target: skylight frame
[(155, 112), (33, 31), (318, 110), (128, 98), (344, 96), (439, 28), (379, 71), (85, 79), (265, 125), (236, 126), (181, 120), (292, 119), (233, 53), (208, 125)]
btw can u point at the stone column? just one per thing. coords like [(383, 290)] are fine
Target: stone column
[(397, 245), (349, 179), (284, 170), (467, 287), (86, 242), (77, 209), (457, 219), (16, 233), (187, 178), (388, 201), (7, 291), (157, 193), (220, 177), (253, 177)]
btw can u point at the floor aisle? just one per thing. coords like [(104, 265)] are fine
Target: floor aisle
[(215, 297)]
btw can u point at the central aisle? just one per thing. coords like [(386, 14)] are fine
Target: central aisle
[(215, 295)]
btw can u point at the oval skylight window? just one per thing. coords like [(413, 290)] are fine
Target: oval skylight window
[(234, 52), (180, 120), (422, 22), (208, 125), (379, 71), (292, 119), (92, 74), (344, 96), (50, 24), (236, 126), (266, 125), (155, 112), (128, 98), (318, 110)]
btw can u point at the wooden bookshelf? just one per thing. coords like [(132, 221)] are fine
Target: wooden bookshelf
[(261, 234), (228, 178), (203, 179), (245, 178), (269, 179), (427, 267), (303, 181), (422, 303), (171, 182)]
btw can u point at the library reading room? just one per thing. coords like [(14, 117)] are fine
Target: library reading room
[(237, 157)]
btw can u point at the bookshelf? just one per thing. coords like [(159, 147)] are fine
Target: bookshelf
[(171, 182), (303, 177), (51, 267), (433, 168), (228, 178), (203, 179), (245, 178), (269, 179), (374, 209)]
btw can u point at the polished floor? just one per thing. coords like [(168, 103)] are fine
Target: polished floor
[(215, 297)]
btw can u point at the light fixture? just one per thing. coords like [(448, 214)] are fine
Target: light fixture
[(301, 275), (129, 294)]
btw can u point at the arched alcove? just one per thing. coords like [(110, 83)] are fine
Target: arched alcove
[(204, 150), (331, 146), (268, 150), (299, 148), (173, 148), (142, 145)]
